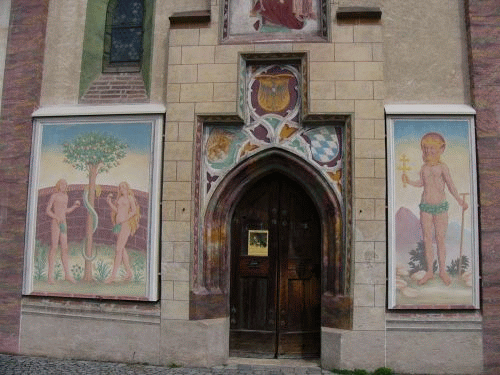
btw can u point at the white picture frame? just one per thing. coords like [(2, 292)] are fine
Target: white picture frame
[(124, 183), (453, 229)]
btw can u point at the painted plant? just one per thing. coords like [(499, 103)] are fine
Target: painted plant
[(432, 215), (93, 225), (93, 153)]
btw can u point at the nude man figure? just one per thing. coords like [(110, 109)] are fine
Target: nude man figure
[(57, 209), (434, 176), (125, 216)]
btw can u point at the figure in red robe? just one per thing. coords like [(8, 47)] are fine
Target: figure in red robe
[(291, 14)]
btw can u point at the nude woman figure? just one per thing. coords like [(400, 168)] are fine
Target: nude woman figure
[(57, 209), (125, 216)]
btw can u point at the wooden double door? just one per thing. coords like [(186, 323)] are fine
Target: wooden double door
[(275, 301)]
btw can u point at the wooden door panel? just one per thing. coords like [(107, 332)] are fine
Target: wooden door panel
[(259, 344), (300, 252), (300, 344), (252, 315), (275, 299), (303, 305), (254, 266)]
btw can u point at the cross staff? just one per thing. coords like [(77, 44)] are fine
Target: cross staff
[(461, 236), (405, 168)]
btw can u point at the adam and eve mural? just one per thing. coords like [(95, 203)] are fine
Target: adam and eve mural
[(92, 224), (432, 213)]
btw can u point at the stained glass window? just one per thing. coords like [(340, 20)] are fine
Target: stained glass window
[(124, 32)]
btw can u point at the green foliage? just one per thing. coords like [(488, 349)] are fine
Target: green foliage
[(350, 372), (96, 150), (452, 269), (58, 272), (138, 267), (40, 260), (417, 259), (102, 270), (379, 371), (174, 365), (383, 371), (77, 272)]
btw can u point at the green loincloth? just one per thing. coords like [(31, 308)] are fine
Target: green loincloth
[(63, 228), (434, 209), (117, 228)]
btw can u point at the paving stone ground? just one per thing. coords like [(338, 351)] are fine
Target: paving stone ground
[(21, 365)]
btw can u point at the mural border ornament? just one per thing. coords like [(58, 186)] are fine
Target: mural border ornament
[(94, 207), (432, 218)]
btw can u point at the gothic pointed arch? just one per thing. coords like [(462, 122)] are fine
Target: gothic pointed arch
[(210, 297)]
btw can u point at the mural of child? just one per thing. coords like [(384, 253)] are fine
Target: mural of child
[(57, 209), (125, 216), (434, 176)]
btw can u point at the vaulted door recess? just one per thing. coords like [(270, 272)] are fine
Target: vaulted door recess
[(275, 272)]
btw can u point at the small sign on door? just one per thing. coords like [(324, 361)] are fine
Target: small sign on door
[(258, 243)]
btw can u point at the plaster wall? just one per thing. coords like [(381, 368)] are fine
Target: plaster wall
[(419, 342), (415, 54), (63, 52), (4, 32), (89, 332), (426, 52), (64, 42)]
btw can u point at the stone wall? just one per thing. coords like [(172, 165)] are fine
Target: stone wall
[(21, 95), (4, 31), (484, 23), (415, 54)]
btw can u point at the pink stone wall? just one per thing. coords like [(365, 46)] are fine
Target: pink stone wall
[(21, 93), (484, 26)]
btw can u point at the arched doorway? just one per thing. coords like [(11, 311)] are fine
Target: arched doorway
[(275, 287), (212, 258)]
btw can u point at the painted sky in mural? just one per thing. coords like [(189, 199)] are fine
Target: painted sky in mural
[(415, 285), (90, 231), (133, 168)]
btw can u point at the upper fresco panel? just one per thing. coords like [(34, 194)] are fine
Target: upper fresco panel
[(274, 20)]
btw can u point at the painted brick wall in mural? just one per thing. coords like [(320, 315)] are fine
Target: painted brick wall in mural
[(272, 111)]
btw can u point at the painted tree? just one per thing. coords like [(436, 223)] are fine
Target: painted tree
[(93, 153)]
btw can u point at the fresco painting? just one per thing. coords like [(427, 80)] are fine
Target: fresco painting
[(433, 245), (272, 119), (274, 20), (93, 227)]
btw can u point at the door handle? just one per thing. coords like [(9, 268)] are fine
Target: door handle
[(253, 264)]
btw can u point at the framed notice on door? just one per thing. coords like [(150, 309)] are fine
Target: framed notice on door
[(258, 243)]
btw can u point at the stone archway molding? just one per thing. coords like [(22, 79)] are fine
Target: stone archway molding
[(209, 297)]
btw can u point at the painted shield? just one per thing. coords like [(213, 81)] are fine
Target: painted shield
[(274, 94), (324, 144)]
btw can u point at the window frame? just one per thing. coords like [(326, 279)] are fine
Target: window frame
[(122, 66)]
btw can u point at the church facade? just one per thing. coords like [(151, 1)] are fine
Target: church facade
[(184, 182)]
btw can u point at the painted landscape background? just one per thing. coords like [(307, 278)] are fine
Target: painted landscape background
[(409, 250), (132, 164)]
